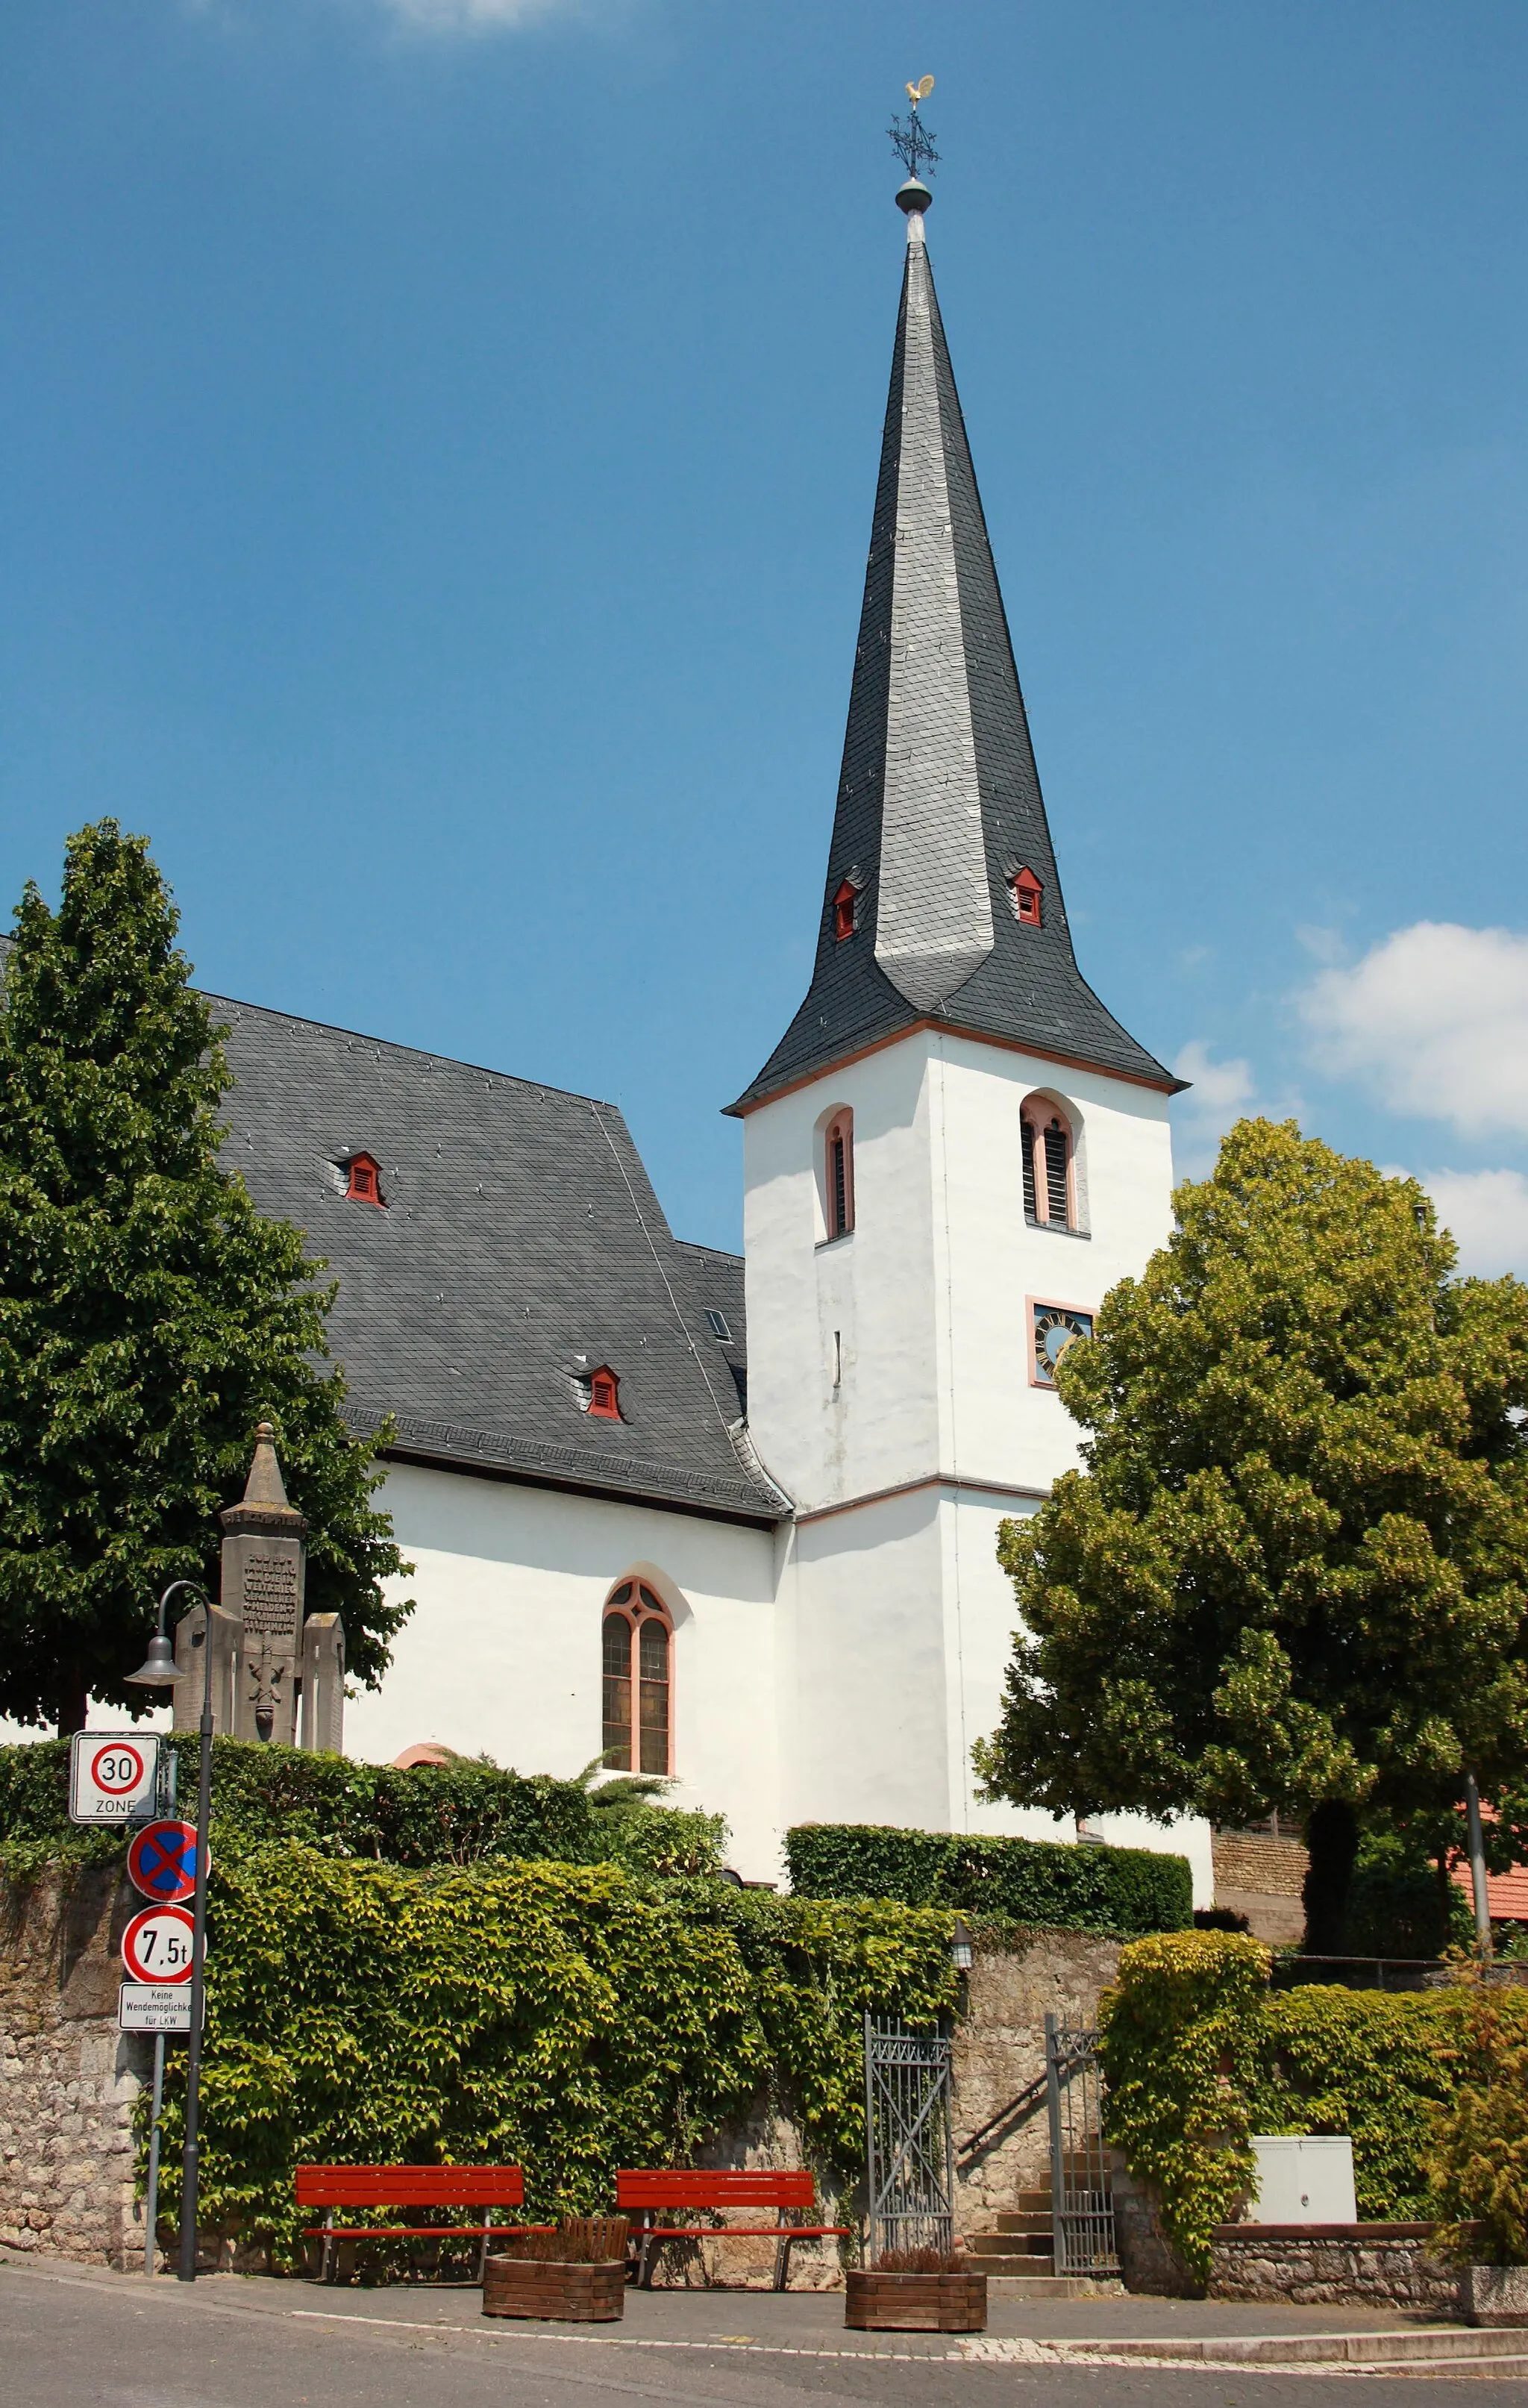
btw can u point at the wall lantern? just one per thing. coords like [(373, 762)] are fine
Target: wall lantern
[(961, 1951)]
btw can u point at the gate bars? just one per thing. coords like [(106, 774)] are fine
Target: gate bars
[(1081, 2197), (909, 2138)]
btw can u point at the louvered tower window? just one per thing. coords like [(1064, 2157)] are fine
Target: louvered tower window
[(1048, 1178)]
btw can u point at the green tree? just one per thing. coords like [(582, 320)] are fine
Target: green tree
[(1294, 1574), (149, 1316)]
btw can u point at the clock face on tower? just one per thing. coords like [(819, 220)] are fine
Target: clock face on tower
[(1054, 1326)]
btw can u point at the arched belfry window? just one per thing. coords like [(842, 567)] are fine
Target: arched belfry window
[(1049, 1169), (838, 1175), (636, 1646)]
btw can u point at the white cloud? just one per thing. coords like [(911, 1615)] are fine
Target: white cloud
[(1220, 1093), (477, 15), (1435, 1021), (1488, 1214)]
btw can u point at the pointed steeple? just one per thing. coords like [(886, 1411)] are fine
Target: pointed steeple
[(939, 806)]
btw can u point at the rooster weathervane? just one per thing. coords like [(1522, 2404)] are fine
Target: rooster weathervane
[(912, 141)]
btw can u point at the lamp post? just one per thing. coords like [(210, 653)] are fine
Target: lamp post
[(158, 1671)]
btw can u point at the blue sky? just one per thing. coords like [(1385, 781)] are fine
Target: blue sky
[(435, 463)]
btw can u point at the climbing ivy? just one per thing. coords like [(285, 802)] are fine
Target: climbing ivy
[(570, 2018)]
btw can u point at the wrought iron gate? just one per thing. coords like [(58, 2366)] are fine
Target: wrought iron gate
[(910, 2139), (1081, 2201)]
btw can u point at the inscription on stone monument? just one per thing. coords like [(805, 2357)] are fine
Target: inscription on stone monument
[(270, 1597)]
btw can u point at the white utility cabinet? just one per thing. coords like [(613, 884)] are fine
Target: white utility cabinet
[(1301, 2180)]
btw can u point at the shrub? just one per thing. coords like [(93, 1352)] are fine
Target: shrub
[(465, 1812), (1047, 1882), (573, 2018), (1479, 2158), (1180, 2032)]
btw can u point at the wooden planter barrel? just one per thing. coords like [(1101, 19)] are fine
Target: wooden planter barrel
[(553, 2290), (876, 2302)]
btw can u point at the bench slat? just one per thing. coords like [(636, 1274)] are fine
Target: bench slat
[(702, 2187), (411, 2185), (741, 2232)]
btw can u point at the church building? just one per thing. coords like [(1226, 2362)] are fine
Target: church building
[(736, 1520)]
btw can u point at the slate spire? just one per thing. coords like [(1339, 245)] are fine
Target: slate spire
[(939, 806)]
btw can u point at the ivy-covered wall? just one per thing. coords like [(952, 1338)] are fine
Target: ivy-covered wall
[(570, 2018), (1118, 1891), (1200, 2053)]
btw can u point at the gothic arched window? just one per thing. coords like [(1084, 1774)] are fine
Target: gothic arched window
[(635, 1660), (1049, 1179)]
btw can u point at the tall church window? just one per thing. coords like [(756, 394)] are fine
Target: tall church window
[(1048, 1172), (838, 1175), (635, 1646)]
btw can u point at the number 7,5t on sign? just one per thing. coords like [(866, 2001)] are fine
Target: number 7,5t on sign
[(157, 1944)]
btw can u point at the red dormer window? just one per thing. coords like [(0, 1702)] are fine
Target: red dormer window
[(843, 911), (1026, 892), (605, 1394), (363, 1180)]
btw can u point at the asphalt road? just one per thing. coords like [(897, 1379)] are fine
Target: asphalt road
[(78, 2339)]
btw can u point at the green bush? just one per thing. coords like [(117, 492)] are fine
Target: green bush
[(1121, 1891), (1479, 2157), (1180, 2034), (571, 2018), (463, 1812), (1199, 2053)]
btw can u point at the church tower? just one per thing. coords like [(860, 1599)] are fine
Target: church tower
[(951, 1154)]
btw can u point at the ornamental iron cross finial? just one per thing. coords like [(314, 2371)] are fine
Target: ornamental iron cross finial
[(911, 140)]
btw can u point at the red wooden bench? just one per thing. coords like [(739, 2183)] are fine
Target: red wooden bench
[(406, 2186), (662, 2190)]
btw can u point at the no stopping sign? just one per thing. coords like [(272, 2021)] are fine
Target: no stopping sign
[(156, 1945)]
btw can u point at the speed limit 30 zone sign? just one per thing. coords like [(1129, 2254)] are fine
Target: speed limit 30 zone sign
[(112, 1776), (157, 1943)]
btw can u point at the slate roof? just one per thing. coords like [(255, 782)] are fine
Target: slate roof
[(520, 1234), (939, 800)]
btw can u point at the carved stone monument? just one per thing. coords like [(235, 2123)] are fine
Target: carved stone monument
[(186, 1711), (323, 1683), (264, 1563)]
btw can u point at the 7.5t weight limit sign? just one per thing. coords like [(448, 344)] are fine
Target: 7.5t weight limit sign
[(157, 1946)]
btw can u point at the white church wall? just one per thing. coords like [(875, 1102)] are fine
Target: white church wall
[(834, 1419), (502, 1653)]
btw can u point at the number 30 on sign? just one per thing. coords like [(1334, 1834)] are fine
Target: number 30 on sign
[(156, 1945)]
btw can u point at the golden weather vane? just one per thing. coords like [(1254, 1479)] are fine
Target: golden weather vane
[(912, 141)]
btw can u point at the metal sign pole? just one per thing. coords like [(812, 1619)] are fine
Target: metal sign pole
[(192, 2166), (151, 2203)]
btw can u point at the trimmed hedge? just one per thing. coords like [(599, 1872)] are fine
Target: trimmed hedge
[(1118, 1891), (571, 2018), (465, 1812)]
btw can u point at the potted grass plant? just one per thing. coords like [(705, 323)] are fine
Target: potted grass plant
[(573, 2272), (916, 2290)]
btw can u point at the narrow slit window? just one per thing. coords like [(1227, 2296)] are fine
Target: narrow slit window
[(1030, 1211), (838, 1175)]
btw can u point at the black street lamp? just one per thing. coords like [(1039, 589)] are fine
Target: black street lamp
[(158, 1671)]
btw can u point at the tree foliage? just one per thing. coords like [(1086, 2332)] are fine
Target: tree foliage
[(1295, 1571), (149, 1316)]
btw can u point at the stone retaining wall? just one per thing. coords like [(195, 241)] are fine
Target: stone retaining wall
[(69, 2079), (1334, 2265)]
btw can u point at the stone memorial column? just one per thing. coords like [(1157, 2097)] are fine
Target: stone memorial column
[(186, 1711), (323, 1683), (264, 1570)]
